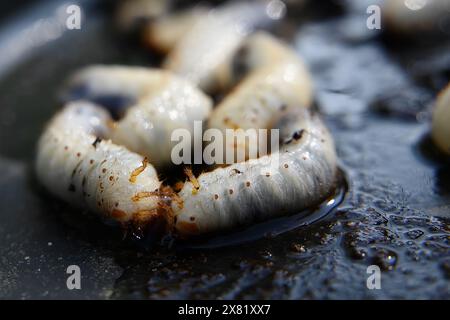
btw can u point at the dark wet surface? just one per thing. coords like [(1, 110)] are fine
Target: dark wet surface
[(396, 213)]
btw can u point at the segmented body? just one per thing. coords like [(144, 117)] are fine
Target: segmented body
[(274, 91)]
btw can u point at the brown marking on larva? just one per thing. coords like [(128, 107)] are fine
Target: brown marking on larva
[(227, 121), (66, 148), (178, 186), (304, 158), (192, 218), (111, 178), (74, 171), (231, 191), (91, 161), (118, 214), (103, 162), (286, 165), (104, 170), (116, 204), (96, 142), (72, 188), (267, 174), (298, 134), (138, 171), (83, 182), (78, 154), (247, 183), (235, 171), (192, 179), (144, 194), (216, 196), (187, 227)]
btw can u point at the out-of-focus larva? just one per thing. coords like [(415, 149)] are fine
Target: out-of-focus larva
[(156, 103), (274, 79), (132, 14), (441, 121), (203, 53), (416, 16), (251, 191), (76, 163), (163, 33)]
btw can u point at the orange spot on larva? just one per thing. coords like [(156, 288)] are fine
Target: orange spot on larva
[(118, 214), (138, 171), (192, 179), (187, 227), (141, 195)]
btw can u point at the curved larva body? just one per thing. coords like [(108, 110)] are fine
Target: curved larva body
[(164, 33), (253, 191), (277, 81), (75, 165), (159, 103), (203, 53), (425, 16), (270, 86), (441, 121)]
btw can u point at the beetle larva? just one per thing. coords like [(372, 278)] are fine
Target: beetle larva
[(75, 163), (203, 52), (275, 80), (416, 16), (156, 101), (164, 33), (251, 191), (441, 121)]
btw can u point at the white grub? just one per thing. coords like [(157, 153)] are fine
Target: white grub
[(441, 121), (206, 49), (75, 164), (416, 16), (162, 102), (165, 32), (275, 80), (243, 193)]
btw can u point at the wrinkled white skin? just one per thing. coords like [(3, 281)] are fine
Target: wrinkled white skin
[(277, 80), (203, 52), (405, 20), (96, 176), (242, 193), (441, 121), (275, 93), (163, 102)]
